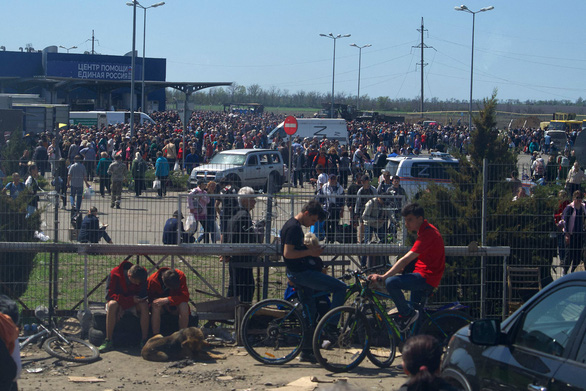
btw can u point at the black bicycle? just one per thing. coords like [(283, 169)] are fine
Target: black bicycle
[(57, 344), (346, 335)]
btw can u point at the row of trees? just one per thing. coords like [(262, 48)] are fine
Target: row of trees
[(275, 97)]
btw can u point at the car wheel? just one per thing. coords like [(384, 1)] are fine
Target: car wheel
[(235, 179), (456, 379)]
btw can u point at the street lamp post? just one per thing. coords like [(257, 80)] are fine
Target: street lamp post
[(466, 9), (334, 37), (144, 43), (359, 65), (68, 49)]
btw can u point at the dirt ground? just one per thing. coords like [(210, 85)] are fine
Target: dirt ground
[(126, 370)]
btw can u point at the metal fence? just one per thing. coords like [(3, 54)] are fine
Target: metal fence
[(480, 279)]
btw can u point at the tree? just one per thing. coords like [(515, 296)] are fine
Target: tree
[(16, 226)]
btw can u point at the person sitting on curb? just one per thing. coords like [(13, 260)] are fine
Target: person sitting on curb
[(126, 290), (91, 231), (167, 291)]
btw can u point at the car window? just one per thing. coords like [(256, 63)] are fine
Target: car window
[(226, 158), (252, 160), (392, 167), (264, 159), (548, 325), (275, 158)]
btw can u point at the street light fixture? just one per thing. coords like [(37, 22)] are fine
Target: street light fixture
[(132, 3), (359, 65), (466, 9), (68, 49), (334, 37)]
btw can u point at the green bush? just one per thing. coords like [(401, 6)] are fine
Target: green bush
[(15, 267)]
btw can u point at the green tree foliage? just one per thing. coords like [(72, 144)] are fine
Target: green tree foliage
[(15, 226), (11, 152)]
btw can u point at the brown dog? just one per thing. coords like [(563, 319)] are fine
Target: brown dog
[(185, 343)]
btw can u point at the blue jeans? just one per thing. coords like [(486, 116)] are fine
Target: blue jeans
[(413, 282), (309, 281), (76, 194)]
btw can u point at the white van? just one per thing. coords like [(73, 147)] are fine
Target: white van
[(333, 129), (104, 118)]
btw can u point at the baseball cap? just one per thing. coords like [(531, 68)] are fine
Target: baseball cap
[(333, 176)]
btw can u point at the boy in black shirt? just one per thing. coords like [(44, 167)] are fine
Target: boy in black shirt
[(302, 270)]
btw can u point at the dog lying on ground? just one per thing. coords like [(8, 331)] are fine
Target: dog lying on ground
[(185, 343)]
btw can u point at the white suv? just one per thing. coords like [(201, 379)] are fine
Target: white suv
[(417, 172), (257, 168)]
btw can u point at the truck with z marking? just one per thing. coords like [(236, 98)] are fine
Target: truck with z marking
[(332, 129)]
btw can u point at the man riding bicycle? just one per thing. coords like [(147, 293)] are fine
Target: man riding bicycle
[(429, 252), (304, 269)]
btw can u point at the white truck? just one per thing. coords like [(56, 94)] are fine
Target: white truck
[(104, 118), (333, 129)]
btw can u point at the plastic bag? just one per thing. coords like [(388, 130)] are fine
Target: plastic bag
[(156, 184), (89, 193), (176, 167), (190, 224)]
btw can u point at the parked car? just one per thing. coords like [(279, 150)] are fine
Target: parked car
[(541, 346), (417, 172), (257, 168)]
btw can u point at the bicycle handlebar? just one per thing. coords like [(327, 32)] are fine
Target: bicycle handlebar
[(360, 273)]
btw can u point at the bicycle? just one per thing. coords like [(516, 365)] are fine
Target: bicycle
[(54, 342), (367, 319), (274, 331)]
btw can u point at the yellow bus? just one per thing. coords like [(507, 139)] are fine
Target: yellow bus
[(565, 125)]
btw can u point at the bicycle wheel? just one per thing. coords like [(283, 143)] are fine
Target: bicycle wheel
[(75, 349), (272, 331), (383, 348), (443, 324), (340, 341)]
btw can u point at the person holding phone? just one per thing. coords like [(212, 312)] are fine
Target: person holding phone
[(126, 291), (167, 293)]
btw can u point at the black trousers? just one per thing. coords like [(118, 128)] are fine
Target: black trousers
[(573, 252)]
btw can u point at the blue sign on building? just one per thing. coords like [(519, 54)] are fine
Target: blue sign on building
[(92, 70)]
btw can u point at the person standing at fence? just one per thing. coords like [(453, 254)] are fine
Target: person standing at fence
[(302, 269), (118, 172), (227, 203), (102, 172), (365, 193), (91, 230), (241, 230), (76, 177), (161, 173), (333, 205), (139, 168), (563, 201), (197, 201), (167, 291), (41, 158), (15, 187), (429, 253), (33, 187), (575, 178), (574, 216), (126, 290)]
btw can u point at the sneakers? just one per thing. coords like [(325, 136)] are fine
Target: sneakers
[(308, 356), (106, 346), (404, 322)]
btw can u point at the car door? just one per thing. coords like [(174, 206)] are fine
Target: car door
[(570, 375), (540, 342), (252, 171)]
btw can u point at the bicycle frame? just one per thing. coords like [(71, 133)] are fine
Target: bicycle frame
[(41, 334)]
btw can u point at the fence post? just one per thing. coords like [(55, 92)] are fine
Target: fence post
[(55, 275), (179, 214), (483, 239), (268, 227), (504, 314)]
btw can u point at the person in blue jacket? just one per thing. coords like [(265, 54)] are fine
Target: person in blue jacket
[(162, 173)]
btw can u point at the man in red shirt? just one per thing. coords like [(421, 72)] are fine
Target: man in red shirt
[(429, 252), (167, 291)]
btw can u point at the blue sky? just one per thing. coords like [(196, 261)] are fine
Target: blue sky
[(528, 50)]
